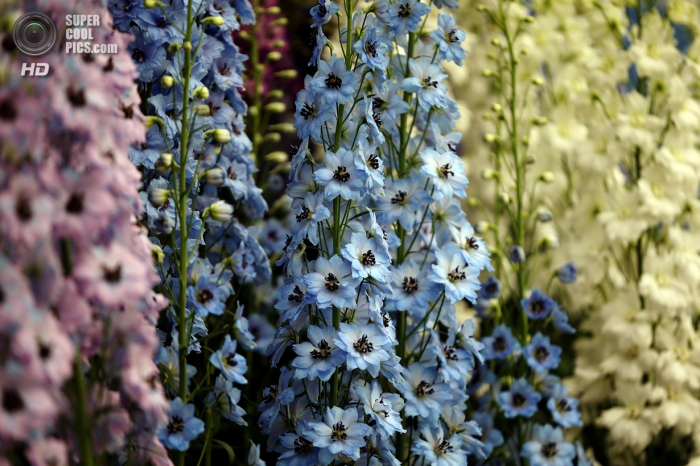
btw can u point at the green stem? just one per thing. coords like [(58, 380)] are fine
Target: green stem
[(82, 424)]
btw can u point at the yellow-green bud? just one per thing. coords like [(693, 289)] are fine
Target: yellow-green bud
[(215, 176), (150, 3), (158, 253), (546, 177), (287, 74), (490, 137), (277, 157), (496, 41), (272, 137), (214, 20), (244, 35), (277, 44), (201, 93), (539, 121), (219, 211), (473, 202), (481, 8), (253, 111), (202, 110), (187, 45), (172, 48), (488, 73), (274, 10), (528, 19), (275, 94), (274, 56), (167, 81), (286, 128), (158, 196), (222, 136), (526, 141), (275, 107), (280, 22), (163, 163), (152, 120), (497, 108), (537, 81), (530, 159), (504, 197), (489, 174)]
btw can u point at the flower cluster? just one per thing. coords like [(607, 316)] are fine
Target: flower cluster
[(77, 313), (198, 181), (376, 359), (518, 393)]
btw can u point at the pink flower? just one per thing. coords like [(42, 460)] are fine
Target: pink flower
[(47, 452), (113, 276), (24, 409), (26, 211)]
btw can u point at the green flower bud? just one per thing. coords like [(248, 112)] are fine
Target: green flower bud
[(167, 81), (202, 110), (152, 120), (276, 107), (215, 176), (272, 137), (158, 196), (277, 157), (163, 163), (201, 93), (219, 211), (286, 128), (222, 136), (287, 74), (274, 56)]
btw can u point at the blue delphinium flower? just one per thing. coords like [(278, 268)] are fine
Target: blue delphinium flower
[(564, 408), (520, 400), (567, 273), (500, 344), (230, 363), (207, 297), (225, 397), (366, 257), (424, 396), (446, 173), (516, 254), (311, 113), (323, 12), (332, 283), (319, 42), (426, 81), (382, 407), (412, 289), (451, 270), (340, 176), (439, 450), (449, 39), (338, 432), (334, 82), (538, 305), (548, 448), (561, 320), (491, 288), (406, 15), (404, 199), (540, 354), (372, 49), (318, 357), (365, 347), (181, 427), (298, 450), (311, 212)]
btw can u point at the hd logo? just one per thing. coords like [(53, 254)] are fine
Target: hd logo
[(35, 69)]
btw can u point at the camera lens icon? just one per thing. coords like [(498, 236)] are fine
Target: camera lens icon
[(34, 34)]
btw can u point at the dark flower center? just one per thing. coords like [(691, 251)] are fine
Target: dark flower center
[(452, 36), (8, 111), (400, 198), (323, 351), (304, 214), (138, 55), (549, 450), (371, 48), (331, 282), (446, 170), (296, 295), (75, 203), (541, 353), (499, 344), (377, 117), (339, 430), (563, 405), (341, 174), (423, 388), (405, 10), (368, 258), (23, 209), (451, 354), (231, 359), (410, 284), (456, 275), (378, 103), (428, 82), (204, 296), (444, 447), (12, 401), (471, 242), (176, 425), (76, 97), (270, 393), (333, 81), (322, 11), (44, 351), (374, 161), (301, 446), (307, 111), (113, 275), (518, 399), (363, 345)]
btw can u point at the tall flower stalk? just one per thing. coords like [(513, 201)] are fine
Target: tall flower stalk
[(375, 358), (199, 181)]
